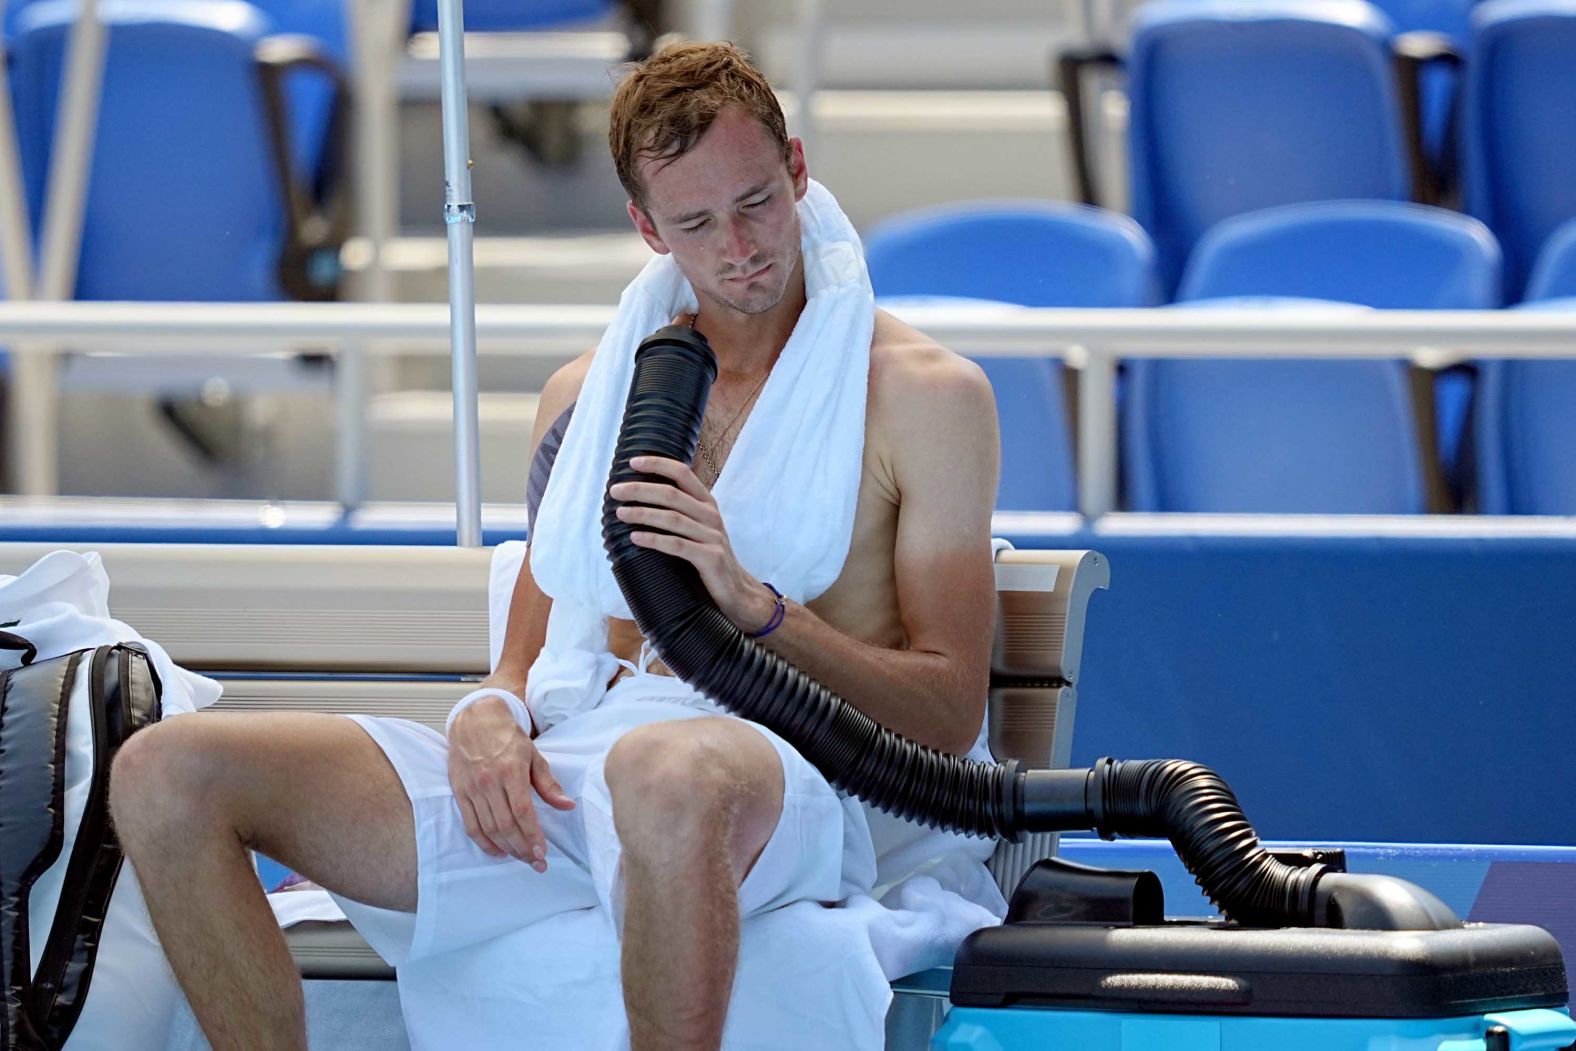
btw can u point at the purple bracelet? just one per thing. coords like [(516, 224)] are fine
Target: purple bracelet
[(779, 613)]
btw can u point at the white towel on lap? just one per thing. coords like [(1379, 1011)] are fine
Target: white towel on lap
[(787, 491)]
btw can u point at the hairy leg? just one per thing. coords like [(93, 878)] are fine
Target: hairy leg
[(695, 803), (190, 796)]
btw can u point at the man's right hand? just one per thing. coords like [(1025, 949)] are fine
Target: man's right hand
[(496, 773)]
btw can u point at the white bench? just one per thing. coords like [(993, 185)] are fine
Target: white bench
[(392, 630)]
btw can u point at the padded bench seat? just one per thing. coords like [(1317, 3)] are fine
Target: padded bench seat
[(398, 631)]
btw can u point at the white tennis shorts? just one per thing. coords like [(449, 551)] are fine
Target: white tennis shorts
[(820, 850)]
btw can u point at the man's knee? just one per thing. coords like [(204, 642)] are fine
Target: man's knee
[(161, 773), (686, 781), (652, 768)]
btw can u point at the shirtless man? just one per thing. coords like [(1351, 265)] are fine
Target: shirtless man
[(904, 633)]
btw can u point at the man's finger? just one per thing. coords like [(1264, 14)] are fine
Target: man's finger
[(667, 521), (655, 494), (681, 474), (676, 546), (547, 785), (522, 807), (473, 828), (498, 822)]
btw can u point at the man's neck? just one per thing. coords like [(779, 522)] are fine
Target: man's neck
[(748, 344)]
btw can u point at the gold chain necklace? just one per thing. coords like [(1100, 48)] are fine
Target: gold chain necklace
[(700, 441)]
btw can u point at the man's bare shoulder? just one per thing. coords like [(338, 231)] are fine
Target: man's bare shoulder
[(558, 393), (913, 378), (563, 386)]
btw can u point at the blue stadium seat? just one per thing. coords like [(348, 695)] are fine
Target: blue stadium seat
[(186, 195), (1031, 254), (1520, 126), (1525, 426), (512, 15), (1448, 22), (1301, 435), (1383, 254), (1554, 275), (1237, 107), (311, 97)]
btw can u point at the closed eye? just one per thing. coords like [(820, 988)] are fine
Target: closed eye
[(757, 204)]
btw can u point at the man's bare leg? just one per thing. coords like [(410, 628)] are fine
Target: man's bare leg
[(190, 796), (694, 803)]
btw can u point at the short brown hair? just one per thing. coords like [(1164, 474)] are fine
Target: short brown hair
[(665, 104)]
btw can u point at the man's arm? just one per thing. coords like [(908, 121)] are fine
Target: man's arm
[(944, 460), (526, 629), (944, 456), (494, 768)]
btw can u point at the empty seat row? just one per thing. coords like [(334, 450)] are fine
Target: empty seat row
[(1262, 435), (221, 145), (1235, 107), (221, 148)]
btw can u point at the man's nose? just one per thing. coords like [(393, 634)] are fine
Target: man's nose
[(738, 247)]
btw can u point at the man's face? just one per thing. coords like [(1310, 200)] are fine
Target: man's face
[(725, 210)]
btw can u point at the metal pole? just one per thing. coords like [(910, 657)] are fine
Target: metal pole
[(350, 431), (713, 19), (1097, 434), (16, 255), (459, 215), (16, 258), (72, 162), (376, 43), (35, 394), (807, 71)]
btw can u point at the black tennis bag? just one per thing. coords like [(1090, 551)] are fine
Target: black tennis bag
[(61, 722)]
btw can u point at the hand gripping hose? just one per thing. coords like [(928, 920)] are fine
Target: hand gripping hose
[(674, 370)]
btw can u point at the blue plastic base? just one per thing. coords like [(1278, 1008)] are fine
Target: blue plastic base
[(1038, 1029)]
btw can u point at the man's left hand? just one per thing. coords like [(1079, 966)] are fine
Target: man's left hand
[(692, 529)]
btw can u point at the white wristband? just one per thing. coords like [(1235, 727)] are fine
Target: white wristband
[(517, 708)]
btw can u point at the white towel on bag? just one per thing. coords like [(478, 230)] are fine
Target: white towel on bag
[(61, 604), (787, 492)]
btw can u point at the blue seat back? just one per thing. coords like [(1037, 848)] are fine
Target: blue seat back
[(1237, 107), (1440, 82), (1452, 18), (1554, 275), (511, 15), (310, 97), (1033, 253), (1389, 255), (183, 199), (1520, 125), (1525, 424), (1301, 435), (1030, 254)]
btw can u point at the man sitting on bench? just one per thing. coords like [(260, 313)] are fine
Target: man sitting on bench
[(854, 465)]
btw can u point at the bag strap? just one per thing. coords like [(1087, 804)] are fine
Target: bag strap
[(11, 641), (124, 699), (32, 734)]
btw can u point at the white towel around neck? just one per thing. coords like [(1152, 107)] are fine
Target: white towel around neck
[(787, 491)]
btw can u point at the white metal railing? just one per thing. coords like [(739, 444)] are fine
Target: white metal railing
[(1092, 340)]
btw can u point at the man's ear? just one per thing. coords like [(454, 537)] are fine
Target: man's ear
[(646, 228), (797, 170)]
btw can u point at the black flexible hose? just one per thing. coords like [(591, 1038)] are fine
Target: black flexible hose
[(1193, 807), (674, 370)]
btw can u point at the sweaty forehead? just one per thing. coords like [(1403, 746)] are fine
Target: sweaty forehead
[(735, 155)]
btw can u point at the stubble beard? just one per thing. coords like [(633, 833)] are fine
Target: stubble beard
[(756, 302)]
